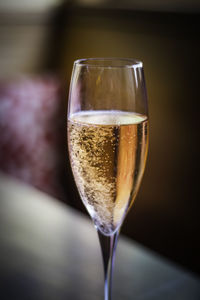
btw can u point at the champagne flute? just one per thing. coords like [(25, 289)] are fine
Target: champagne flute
[(108, 143)]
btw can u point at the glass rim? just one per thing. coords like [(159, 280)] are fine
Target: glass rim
[(100, 62)]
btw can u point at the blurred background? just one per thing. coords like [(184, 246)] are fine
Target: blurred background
[(39, 40)]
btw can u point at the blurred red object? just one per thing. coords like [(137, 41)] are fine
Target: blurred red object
[(31, 132)]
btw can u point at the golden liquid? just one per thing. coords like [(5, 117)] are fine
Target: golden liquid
[(108, 152)]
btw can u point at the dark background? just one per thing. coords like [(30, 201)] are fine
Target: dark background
[(165, 215)]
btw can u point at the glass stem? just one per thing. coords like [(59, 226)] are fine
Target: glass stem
[(108, 247)]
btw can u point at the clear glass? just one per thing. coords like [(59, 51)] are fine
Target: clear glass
[(108, 143)]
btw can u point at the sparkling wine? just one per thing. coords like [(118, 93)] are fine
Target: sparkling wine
[(108, 152)]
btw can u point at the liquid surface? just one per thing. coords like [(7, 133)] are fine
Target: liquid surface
[(108, 152)]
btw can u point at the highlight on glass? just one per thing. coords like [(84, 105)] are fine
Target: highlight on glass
[(108, 143)]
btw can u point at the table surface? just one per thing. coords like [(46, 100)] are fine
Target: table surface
[(50, 251)]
